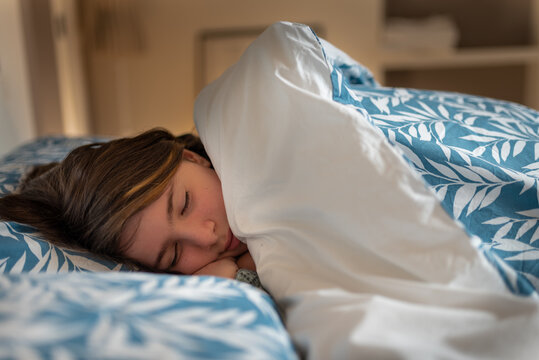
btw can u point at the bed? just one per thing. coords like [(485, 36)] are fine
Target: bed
[(384, 222)]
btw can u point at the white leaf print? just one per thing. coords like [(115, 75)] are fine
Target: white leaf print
[(424, 132), (470, 120), (441, 193), (379, 122), (496, 134), (444, 170), (3, 263), (394, 117), (535, 236), (86, 263), (439, 127), (445, 149), (495, 154), (412, 131), (19, 265), (532, 166), (476, 201), (532, 213), (491, 196), (443, 111), (532, 279), (427, 108), (478, 138), (406, 136), (528, 183), (512, 245), (478, 151), (517, 176), (497, 221), (463, 195), (65, 267), (464, 156), (33, 245), (536, 148), (458, 117), (391, 136), (410, 155), (53, 262), (502, 232), (519, 146), (467, 173), (395, 101), (525, 227), (530, 255), (506, 149), (381, 104)]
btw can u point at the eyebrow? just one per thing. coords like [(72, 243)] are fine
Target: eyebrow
[(170, 211)]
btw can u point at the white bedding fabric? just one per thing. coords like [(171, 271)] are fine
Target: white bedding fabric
[(345, 236)]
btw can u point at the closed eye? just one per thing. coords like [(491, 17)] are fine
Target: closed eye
[(187, 202), (175, 258)]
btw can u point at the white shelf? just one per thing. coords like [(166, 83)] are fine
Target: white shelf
[(409, 60)]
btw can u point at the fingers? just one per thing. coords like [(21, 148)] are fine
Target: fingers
[(225, 267)]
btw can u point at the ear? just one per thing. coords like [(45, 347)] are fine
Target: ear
[(195, 158)]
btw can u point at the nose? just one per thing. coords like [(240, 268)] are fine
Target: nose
[(202, 235)]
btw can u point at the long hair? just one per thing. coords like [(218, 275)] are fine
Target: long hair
[(84, 201)]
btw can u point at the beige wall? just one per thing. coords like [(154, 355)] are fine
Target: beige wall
[(16, 113), (150, 81)]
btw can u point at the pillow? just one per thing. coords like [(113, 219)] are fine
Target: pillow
[(23, 249), (344, 233), (137, 316)]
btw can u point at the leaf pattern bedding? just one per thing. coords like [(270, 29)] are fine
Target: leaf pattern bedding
[(478, 154), (22, 249), (61, 303), (136, 316)]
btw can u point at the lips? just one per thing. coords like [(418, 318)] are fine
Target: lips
[(233, 242)]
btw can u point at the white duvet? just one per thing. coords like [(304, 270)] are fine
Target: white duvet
[(345, 236)]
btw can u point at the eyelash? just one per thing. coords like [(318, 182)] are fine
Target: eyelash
[(187, 202), (175, 258)]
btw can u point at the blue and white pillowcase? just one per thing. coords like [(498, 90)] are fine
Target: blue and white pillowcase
[(23, 249), (137, 316)]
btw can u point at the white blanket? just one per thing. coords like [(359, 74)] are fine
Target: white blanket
[(345, 235)]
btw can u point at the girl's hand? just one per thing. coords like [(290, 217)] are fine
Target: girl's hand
[(246, 262), (226, 267)]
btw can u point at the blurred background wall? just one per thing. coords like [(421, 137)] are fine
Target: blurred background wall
[(16, 111), (118, 67)]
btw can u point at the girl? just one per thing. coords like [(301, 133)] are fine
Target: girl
[(152, 201)]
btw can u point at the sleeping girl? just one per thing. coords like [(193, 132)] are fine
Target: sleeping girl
[(152, 200), (325, 176)]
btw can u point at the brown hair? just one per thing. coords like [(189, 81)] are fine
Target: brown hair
[(84, 201)]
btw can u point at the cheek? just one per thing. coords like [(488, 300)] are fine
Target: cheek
[(193, 260), (213, 195)]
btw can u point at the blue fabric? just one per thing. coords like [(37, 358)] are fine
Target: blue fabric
[(22, 249), (479, 155), (137, 316)]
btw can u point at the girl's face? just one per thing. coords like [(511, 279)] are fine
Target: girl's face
[(186, 228)]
